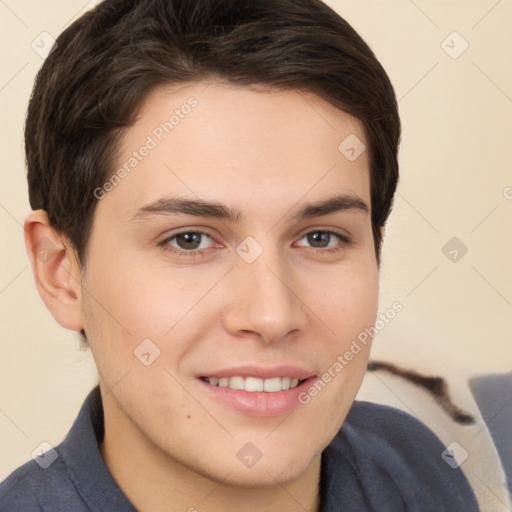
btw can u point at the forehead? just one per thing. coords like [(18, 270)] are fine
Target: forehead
[(256, 146)]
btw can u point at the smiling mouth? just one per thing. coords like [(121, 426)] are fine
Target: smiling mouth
[(254, 384)]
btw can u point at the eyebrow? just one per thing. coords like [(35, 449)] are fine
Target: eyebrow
[(213, 209)]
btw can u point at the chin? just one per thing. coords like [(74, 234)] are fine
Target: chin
[(271, 473), (265, 476)]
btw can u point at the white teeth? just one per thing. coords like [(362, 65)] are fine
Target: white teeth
[(272, 385), (252, 384), (236, 383)]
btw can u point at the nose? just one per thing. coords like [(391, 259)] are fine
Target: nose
[(263, 299)]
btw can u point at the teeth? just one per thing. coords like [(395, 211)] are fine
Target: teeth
[(272, 385), (252, 384), (236, 383)]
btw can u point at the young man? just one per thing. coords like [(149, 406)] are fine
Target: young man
[(210, 180)]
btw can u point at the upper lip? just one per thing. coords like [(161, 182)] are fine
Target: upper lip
[(262, 372)]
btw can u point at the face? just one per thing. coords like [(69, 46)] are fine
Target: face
[(236, 245)]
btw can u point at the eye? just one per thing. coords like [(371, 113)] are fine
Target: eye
[(325, 239), (192, 242)]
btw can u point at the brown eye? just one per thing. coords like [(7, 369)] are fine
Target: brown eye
[(325, 239), (187, 241)]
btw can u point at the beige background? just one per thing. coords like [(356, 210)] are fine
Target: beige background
[(456, 165)]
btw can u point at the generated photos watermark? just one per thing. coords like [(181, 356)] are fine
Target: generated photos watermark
[(344, 359), (151, 142)]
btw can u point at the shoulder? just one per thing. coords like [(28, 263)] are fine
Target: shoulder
[(396, 433), (36, 487), (403, 453), (371, 419), (70, 477)]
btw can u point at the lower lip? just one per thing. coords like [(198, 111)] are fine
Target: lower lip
[(258, 403)]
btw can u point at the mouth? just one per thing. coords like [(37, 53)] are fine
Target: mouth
[(254, 384), (256, 396)]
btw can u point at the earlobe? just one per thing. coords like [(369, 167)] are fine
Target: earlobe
[(56, 271)]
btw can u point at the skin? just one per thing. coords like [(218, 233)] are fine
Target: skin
[(267, 154)]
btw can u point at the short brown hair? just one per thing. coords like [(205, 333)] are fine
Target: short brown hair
[(89, 88)]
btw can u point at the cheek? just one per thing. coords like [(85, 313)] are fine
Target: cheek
[(346, 300), (134, 300), (130, 302), (118, 312), (347, 306)]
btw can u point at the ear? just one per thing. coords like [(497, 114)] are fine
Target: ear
[(56, 270)]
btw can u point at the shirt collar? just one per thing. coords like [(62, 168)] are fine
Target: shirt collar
[(86, 467)]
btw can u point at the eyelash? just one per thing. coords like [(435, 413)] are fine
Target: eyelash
[(194, 253)]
